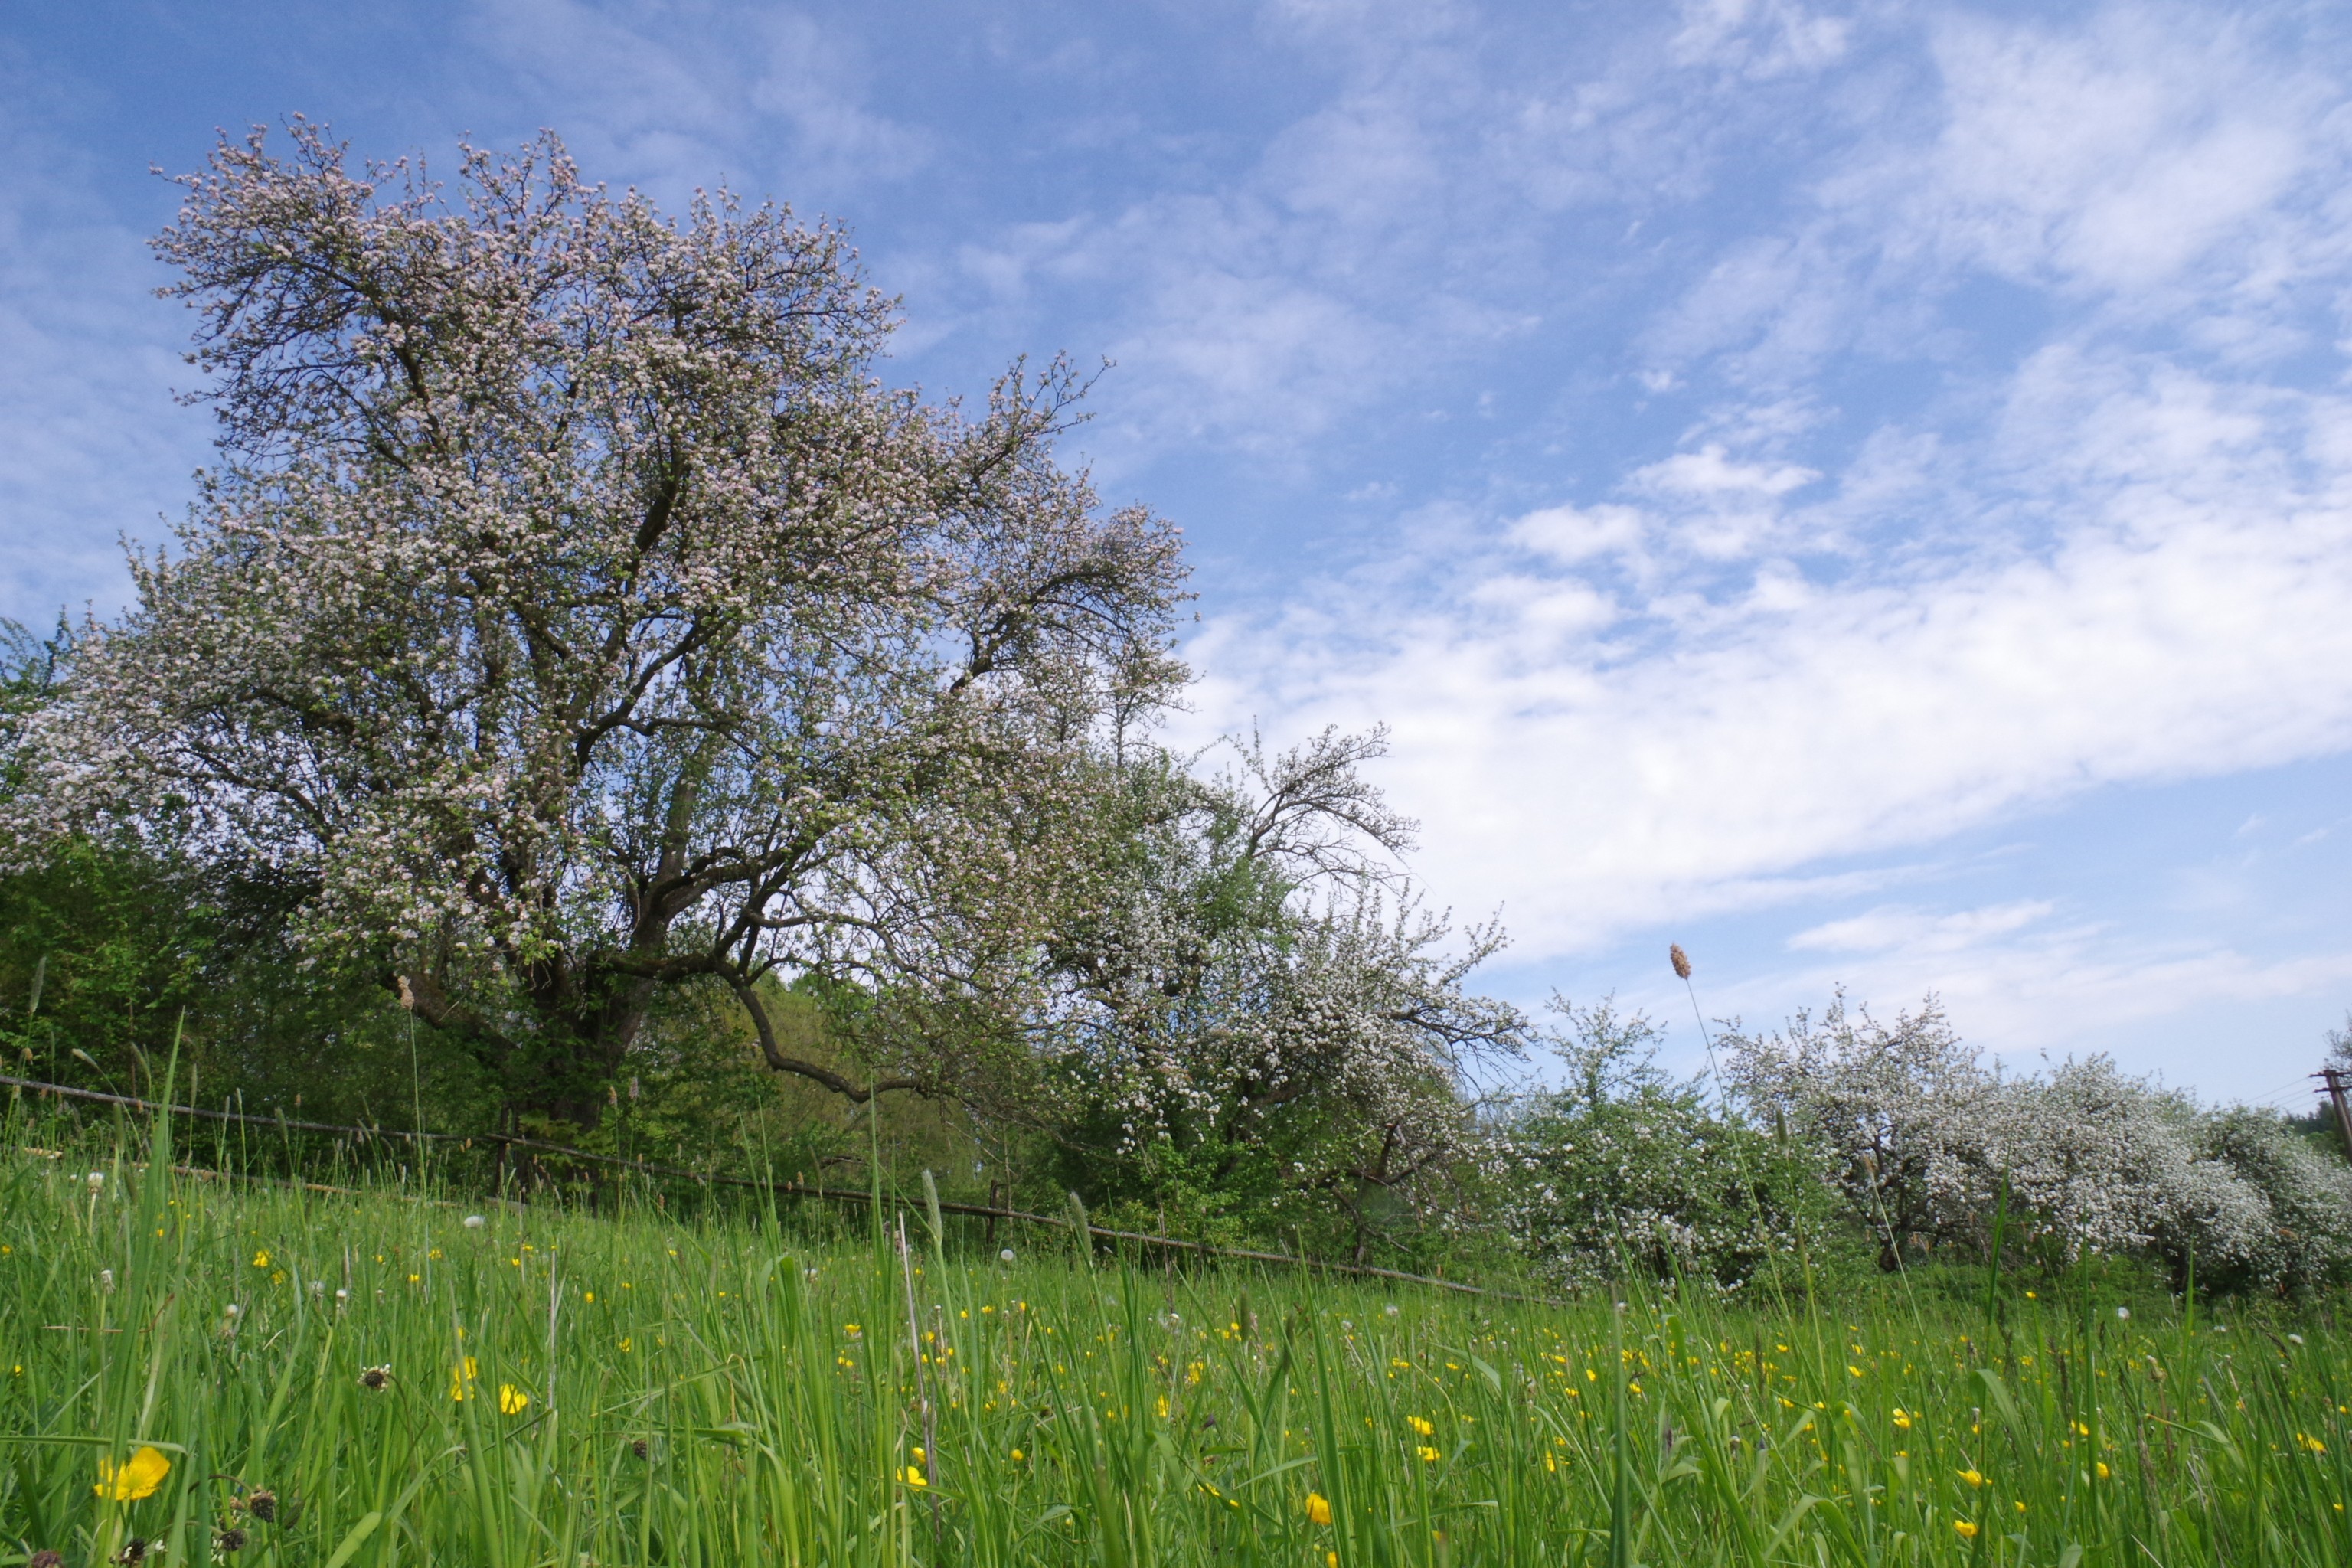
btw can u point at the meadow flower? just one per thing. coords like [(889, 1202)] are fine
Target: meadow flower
[(1319, 1509), (1428, 1455), (461, 1378), (1420, 1424), (261, 1259), (1902, 1418), (1972, 1477), (915, 1477), (512, 1400), (1018, 1456), (375, 1379), (1967, 1532), (137, 1479), (97, 1180)]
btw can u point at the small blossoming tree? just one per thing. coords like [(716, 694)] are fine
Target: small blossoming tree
[(1253, 1001)]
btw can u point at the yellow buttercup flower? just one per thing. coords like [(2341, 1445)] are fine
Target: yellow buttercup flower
[(1428, 1455), (461, 1378), (1972, 1477), (1420, 1426), (915, 1477), (1968, 1531), (138, 1478), (1318, 1508), (512, 1400)]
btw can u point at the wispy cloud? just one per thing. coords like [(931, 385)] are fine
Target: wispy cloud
[(2114, 550), (90, 443)]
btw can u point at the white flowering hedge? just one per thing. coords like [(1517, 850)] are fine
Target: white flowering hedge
[(1900, 1133)]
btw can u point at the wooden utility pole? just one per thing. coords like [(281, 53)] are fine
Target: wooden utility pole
[(2334, 1079)]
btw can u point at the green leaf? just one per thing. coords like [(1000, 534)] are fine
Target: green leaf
[(355, 1539)]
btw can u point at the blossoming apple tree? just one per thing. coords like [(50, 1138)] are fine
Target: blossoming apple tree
[(572, 613)]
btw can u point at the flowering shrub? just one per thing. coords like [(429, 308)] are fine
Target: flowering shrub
[(1257, 1014), (1627, 1167), (1927, 1144)]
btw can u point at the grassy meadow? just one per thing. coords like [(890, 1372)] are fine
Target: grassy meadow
[(262, 1375)]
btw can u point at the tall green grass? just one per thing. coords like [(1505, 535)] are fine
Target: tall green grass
[(566, 1389)]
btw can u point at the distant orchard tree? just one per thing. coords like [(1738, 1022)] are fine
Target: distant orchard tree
[(572, 613)]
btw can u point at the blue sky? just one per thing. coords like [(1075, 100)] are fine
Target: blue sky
[(1865, 491)]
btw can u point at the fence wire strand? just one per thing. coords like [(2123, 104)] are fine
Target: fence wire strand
[(788, 1188)]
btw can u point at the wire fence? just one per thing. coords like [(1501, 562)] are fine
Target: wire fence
[(788, 1188)]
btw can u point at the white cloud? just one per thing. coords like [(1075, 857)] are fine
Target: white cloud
[(2113, 155), (1893, 927), (1567, 535), (1708, 472), (2188, 619), (683, 106), (94, 444)]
